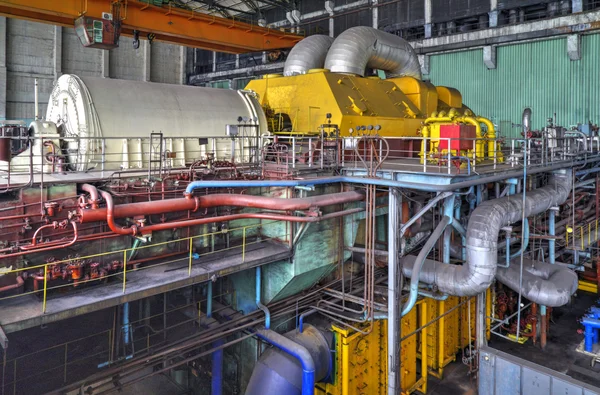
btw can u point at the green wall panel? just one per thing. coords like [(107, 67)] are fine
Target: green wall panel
[(536, 74)]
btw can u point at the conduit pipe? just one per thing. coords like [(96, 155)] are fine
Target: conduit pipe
[(94, 197), (310, 53), (224, 218), (546, 284), (479, 270), (259, 304), (431, 187), (491, 135), (360, 47), (194, 203), (418, 263)]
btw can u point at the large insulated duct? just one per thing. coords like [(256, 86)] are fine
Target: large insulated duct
[(308, 54), (485, 223), (543, 283), (296, 360), (360, 47)]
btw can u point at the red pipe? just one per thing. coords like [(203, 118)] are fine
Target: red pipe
[(216, 200), (30, 250), (16, 285), (110, 218), (53, 225), (94, 197), (224, 218)]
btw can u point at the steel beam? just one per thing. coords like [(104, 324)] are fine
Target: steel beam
[(173, 25), (393, 225)]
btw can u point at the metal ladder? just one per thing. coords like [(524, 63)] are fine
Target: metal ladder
[(155, 158)]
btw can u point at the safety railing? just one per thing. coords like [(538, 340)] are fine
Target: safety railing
[(227, 155), (467, 156), (54, 366), (242, 238), (582, 236)]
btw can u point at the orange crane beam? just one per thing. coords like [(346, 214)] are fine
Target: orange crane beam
[(169, 24)]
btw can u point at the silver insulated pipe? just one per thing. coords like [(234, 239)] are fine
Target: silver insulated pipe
[(360, 47), (308, 54), (477, 274), (545, 284)]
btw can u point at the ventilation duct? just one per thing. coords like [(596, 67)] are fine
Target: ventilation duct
[(360, 47), (485, 223), (308, 54)]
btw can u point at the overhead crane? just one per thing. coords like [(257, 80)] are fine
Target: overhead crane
[(167, 23)]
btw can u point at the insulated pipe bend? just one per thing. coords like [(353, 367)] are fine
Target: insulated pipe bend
[(360, 47), (476, 275), (308, 54), (292, 367), (543, 283)]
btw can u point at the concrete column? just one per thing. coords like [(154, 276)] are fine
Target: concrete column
[(375, 11), (182, 65), (329, 6), (3, 68), (428, 14), (489, 57), (577, 6), (237, 61), (574, 46), (493, 14), (214, 63), (424, 61), (394, 202), (147, 53), (57, 52), (264, 57), (105, 64)]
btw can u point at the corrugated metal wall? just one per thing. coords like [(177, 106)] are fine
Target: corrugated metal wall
[(538, 74)]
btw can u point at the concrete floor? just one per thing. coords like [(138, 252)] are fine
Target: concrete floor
[(456, 381)]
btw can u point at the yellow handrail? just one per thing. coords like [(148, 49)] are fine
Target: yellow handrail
[(47, 266)]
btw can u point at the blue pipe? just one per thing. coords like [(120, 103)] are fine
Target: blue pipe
[(297, 351), (134, 249), (462, 231), (591, 332), (209, 299), (217, 369), (258, 297), (217, 356), (126, 325), (468, 162), (526, 241), (513, 185), (416, 271), (449, 212), (302, 316), (507, 264), (356, 180)]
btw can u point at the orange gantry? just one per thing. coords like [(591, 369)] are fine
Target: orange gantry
[(167, 23)]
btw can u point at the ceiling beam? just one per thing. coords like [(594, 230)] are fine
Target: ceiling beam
[(170, 24)]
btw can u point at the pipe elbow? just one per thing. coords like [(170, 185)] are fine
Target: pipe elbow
[(491, 130), (308, 54)]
